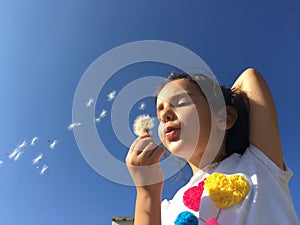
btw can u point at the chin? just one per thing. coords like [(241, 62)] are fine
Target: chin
[(181, 149)]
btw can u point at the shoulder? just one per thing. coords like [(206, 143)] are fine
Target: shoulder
[(254, 162)]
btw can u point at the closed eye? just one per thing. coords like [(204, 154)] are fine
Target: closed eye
[(184, 102)]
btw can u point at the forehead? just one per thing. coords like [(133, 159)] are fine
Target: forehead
[(178, 87)]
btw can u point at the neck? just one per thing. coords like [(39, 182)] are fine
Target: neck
[(194, 168), (195, 165)]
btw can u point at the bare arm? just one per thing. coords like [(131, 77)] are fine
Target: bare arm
[(143, 163), (148, 206), (263, 122)]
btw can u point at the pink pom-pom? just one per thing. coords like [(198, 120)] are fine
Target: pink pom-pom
[(192, 196), (212, 221)]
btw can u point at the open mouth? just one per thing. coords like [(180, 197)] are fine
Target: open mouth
[(170, 132)]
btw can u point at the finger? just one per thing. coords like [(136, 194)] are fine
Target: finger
[(144, 136), (158, 152), (132, 146), (150, 146), (137, 140), (131, 149), (153, 150), (147, 149), (141, 145)]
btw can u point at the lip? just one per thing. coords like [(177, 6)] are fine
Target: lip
[(170, 132)]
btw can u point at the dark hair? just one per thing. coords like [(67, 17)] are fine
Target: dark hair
[(237, 137)]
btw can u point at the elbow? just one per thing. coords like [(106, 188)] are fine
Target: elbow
[(252, 75), (252, 71)]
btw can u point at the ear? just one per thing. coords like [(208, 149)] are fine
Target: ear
[(227, 117)]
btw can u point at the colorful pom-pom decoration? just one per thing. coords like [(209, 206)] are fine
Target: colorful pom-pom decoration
[(212, 221), (186, 218), (192, 196), (226, 191)]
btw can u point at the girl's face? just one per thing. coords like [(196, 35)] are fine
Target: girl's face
[(181, 109)]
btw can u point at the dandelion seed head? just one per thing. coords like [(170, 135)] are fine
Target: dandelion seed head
[(143, 125)]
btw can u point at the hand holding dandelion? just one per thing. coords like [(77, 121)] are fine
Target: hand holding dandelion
[(143, 125), (143, 158)]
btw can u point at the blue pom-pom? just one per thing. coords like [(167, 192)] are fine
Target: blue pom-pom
[(186, 218)]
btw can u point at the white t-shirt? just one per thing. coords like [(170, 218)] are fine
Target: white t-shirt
[(268, 201)]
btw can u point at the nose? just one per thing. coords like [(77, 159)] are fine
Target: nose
[(167, 113)]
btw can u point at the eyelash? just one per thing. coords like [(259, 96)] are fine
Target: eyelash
[(183, 103), (180, 103)]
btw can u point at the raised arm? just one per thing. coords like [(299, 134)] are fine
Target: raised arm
[(263, 122), (143, 163)]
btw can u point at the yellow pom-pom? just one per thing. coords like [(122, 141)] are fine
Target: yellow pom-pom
[(226, 191)]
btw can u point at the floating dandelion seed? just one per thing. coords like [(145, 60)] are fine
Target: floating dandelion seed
[(1, 162), (142, 125), (33, 141), (90, 102), (53, 144), (17, 157), (37, 159), (14, 153), (111, 95), (142, 106), (43, 170), (101, 115), (23, 144), (73, 125)]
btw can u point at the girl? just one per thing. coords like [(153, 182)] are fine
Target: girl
[(234, 150)]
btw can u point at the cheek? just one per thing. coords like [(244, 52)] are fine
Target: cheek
[(189, 117), (161, 131), (190, 126)]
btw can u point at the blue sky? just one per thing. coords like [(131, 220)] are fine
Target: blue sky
[(46, 47)]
